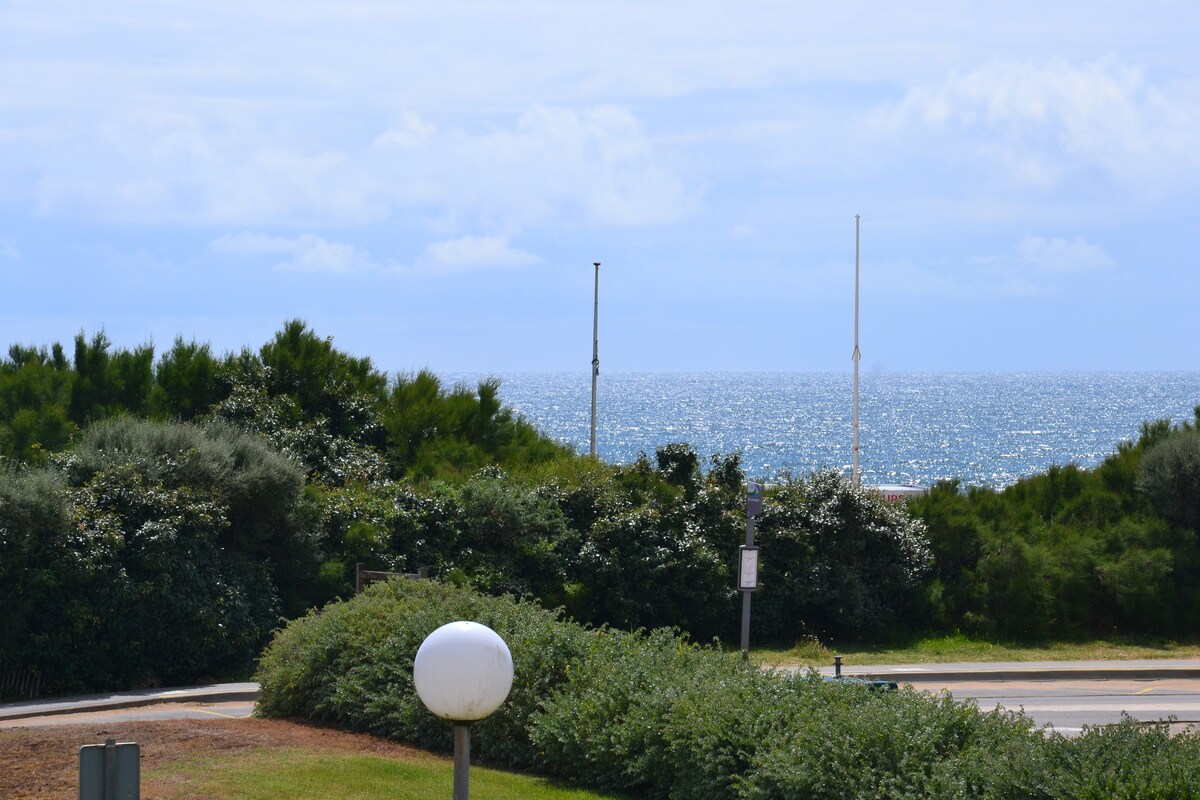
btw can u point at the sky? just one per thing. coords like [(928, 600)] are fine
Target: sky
[(429, 184)]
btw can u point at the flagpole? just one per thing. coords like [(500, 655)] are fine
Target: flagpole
[(595, 351), (857, 355)]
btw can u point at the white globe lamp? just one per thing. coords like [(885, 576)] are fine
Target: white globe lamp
[(463, 671)]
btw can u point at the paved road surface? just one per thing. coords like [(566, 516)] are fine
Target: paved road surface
[(1066, 695), (164, 702), (231, 710), (1068, 705)]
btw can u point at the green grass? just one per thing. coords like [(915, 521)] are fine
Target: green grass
[(959, 648), (300, 774)]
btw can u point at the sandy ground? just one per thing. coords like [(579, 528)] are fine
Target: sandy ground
[(41, 761)]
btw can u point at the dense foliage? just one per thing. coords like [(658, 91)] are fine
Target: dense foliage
[(851, 560), (167, 514), (145, 556), (342, 418), (1073, 552), (657, 715)]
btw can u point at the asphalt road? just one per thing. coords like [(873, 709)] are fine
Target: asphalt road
[(1068, 705), (231, 710), (222, 699), (1065, 695)]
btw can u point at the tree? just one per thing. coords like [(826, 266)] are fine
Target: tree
[(35, 393), (131, 380), (432, 432), (323, 381), (1170, 476), (187, 381), (91, 392), (259, 492), (154, 553), (837, 560)]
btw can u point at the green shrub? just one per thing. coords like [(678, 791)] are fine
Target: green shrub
[(352, 664), (122, 582), (607, 724), (152, 553), (1126, 761), (1170, 477), (1072, 553), (849, 741), (836, 560), (657, 715)]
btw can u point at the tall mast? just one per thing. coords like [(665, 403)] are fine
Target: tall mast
[(595, 351), (857, 355)]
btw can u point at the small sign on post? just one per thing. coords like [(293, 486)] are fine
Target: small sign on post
[(110, 771), (748, 568), (754, 497)]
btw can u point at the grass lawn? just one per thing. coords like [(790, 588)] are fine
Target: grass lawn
[(301, 774), (959, 648)]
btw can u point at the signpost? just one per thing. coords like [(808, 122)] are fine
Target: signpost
[(748, 561), (110, 771)]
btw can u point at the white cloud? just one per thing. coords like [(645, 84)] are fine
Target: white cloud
[(310, 253), (1037, 265), (306, 253), (1040, 121), (1062, 255), (592, 167), (471, 253), (554, 166), (412, 132)]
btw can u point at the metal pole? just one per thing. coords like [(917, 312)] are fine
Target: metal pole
[(462, 760), (746, 594), (857, 355), (595, 352), (110, 769)]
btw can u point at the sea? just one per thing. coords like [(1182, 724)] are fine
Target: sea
[(982, 428)]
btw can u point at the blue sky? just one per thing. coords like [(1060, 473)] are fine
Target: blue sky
[(429, 183)]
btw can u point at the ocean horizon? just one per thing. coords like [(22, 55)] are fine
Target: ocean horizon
[(982, 428)]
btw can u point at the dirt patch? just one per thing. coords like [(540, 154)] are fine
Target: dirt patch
[(39, 762)]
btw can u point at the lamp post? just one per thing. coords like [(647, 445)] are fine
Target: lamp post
[(463, 671)]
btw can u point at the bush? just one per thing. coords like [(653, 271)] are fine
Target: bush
[(1170, 477), (837, 560), (657, 715), (153, 553), (122, 582), (1072, 553), (607, 724), (352, 664), (1127, 760)]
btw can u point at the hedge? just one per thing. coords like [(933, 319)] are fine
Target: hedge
[(655, 714)]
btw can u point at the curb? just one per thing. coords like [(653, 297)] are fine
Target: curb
[(219, 693)]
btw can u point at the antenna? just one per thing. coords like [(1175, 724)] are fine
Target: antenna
[(595, 351), (857, 355)]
